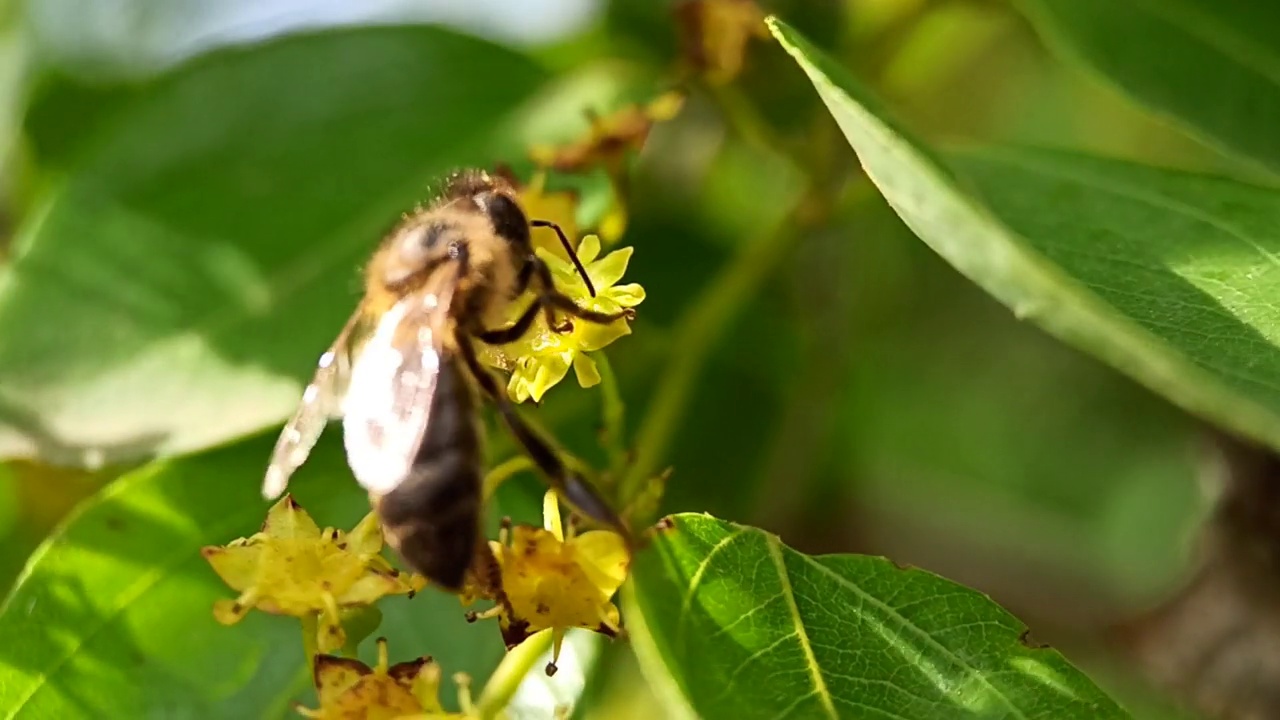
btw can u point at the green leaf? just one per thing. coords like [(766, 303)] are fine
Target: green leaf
[(113, 615), (205, 248), (748, 627), (1214, 67), (1166, 276)]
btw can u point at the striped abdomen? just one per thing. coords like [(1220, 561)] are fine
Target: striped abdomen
[(433, 517)]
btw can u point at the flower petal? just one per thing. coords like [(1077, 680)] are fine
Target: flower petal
[(372, 586), (548, 371), (628, 295), (592, 337), (286, 520), (230, 612), (586, 371), (588, 249), (610, 268), (237, 565), (366, 537), (335, 675), (603, 557)]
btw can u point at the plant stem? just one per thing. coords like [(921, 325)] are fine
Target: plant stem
[(310, 632), (503, 472), (695, 336), (506, 679), (614, 416)]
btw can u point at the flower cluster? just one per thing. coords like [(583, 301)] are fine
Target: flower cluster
[(292, 567)]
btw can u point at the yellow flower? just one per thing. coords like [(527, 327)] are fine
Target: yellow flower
[(293, 568), (715, 33), (543, 356), (556, 581), (348, 689)]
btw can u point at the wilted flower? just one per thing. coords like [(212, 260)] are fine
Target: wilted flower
[(715, 33), (611, 137), (291, 567), (553, 580), (543, 356), (348, 688)]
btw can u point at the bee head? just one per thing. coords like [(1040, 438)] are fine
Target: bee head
[(495, 198)]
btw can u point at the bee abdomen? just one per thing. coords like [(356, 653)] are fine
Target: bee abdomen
[(433, 518)]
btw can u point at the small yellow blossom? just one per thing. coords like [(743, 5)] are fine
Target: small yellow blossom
[(553, 580), (292, 567), (611, 137), (714, 35), (543, 356), (348, 689)]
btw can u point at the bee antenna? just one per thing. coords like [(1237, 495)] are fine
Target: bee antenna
[(569, 249)]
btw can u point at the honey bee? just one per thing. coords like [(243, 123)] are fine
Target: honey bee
[(404, 376)]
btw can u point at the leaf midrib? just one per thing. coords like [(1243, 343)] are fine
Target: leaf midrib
[(774, 546)]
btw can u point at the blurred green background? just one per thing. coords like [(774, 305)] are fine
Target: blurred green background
[(181, 182)]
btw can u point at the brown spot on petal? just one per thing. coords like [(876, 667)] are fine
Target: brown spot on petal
[(407, 671), (515, 632)]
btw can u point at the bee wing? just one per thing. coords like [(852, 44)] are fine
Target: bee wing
[(388, 402), (321, 401)]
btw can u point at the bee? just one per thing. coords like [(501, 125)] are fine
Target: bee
[(404, 377)]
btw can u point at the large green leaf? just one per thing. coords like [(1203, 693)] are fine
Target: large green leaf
[(1170, 277), (748, 627), (113, 615), (1213, 66), (204, 248)]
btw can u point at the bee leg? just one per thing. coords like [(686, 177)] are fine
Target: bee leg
[(571, 486), (514, 332), (551, 298), (569, 249)]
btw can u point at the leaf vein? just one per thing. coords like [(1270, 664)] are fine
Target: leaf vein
[(921, 634)]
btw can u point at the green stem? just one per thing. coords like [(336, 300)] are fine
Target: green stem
[(503, 472), (614, 416), (695, 336), (506, 679), (310, 634)]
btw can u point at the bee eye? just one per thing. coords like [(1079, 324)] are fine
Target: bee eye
[(508, 219)]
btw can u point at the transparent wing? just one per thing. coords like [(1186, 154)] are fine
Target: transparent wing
[(321, 401), (388, 401)]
